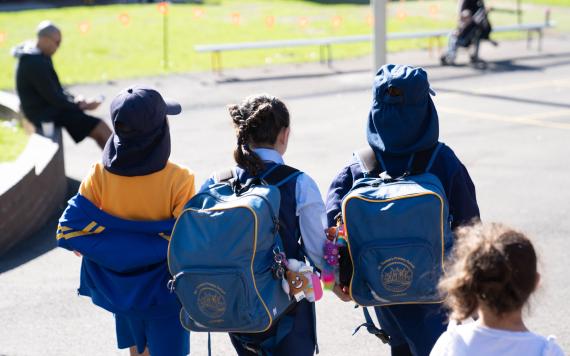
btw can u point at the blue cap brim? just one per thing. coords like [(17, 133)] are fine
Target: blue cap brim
[(172, 107)]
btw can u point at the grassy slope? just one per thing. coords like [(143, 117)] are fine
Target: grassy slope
[(110, 50), (13, 140)]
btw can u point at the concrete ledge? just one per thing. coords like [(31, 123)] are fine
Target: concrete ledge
[(32, 188)]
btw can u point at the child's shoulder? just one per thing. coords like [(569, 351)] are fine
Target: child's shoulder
[(96, 169), (447, 155), (450, 343), (178, 170), (552, 348), (94, 175), (305, 181), (532, 340)]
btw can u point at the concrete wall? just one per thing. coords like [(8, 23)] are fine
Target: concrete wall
[(32, 188)]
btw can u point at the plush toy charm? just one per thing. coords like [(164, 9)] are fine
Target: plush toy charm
[(297, 283), (331, 255), (301, 282)]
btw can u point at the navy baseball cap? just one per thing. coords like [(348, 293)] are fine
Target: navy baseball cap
[(139, 110)]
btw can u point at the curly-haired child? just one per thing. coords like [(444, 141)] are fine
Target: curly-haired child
[(493, 274)]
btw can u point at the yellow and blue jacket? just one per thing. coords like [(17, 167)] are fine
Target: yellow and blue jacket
[(124, 266)]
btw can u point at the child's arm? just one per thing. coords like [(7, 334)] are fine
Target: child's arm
[(340, 185), (90, 188), (462, 199), (311, 213)]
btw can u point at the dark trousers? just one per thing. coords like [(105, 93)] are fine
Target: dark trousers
[(413, 328), (299, 339), (78, 124)]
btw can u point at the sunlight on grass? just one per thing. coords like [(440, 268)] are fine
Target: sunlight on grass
[(118, 41), (13, 140)]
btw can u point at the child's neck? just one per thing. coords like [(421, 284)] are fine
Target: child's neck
[(511, 321)]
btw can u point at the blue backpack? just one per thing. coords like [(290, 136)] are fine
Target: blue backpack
[(398, 231), (222, 252)]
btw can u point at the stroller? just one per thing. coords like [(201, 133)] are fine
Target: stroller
[(470, 32)]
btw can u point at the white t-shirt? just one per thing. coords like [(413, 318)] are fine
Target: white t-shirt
[(474, 339)]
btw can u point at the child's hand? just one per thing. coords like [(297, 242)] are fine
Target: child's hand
[(78, 254), (342, 293)]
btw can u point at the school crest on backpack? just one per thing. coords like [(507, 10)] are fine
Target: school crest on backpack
[(397, 233), (220, 256)]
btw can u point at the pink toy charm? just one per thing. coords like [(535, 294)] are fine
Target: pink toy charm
[(302, 282)]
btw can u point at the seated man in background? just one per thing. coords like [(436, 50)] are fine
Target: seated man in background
[(42, 97)]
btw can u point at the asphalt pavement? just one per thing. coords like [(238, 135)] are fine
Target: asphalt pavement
[(508, 121)]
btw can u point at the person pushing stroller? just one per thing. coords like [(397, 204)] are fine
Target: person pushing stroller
[(473, 27)]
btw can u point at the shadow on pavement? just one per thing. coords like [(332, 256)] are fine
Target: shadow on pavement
[(478, 69), (502, 66), (333, 72), (41, 242), (505, 97)]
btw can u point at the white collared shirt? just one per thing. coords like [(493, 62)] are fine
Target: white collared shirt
[(310, 208), (476, 339)]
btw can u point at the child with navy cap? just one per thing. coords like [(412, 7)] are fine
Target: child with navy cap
[(403, 121), (121, 220)]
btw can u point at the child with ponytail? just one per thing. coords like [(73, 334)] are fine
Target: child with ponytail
[(262, 128), (493, 274)]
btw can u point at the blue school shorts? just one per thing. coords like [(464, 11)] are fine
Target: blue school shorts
[(163, 336)]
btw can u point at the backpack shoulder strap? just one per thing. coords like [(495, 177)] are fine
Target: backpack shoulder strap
[(367, 161), (421, 162), (433, 156), (224, 175), (371, 327), (280, 174)]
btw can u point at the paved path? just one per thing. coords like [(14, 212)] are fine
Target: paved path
[(509, 123)]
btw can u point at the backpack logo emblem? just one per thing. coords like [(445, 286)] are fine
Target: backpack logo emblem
[(396, 274), (211, 300)]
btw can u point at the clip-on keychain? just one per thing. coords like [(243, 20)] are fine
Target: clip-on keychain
[(278, 268), (336, 241)]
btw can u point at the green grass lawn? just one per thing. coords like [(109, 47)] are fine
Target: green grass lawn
[(118, 41), (548, 2), (13, 140)]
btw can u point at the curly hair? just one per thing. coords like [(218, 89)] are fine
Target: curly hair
[(490, 264), (258, 121)]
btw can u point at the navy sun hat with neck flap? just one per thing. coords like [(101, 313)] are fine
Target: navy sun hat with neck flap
[(403, 118), (140, 144)]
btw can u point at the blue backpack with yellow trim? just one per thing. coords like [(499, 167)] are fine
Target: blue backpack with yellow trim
[(398, 231), (222, 251)]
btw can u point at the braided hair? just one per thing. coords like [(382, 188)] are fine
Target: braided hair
[(493, 265), (258, 120)]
